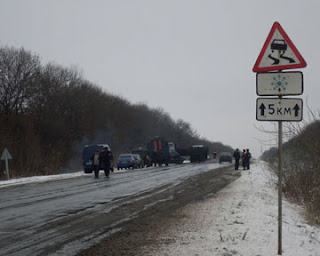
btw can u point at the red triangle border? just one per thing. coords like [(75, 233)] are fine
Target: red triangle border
[(302, 63)]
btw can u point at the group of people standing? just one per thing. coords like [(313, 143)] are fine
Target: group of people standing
[(102, 161), (245, 157)]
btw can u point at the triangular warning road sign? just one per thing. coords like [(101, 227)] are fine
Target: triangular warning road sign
[(6, 155), (278, 52)]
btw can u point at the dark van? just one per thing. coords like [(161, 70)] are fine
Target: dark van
[(88, 152)]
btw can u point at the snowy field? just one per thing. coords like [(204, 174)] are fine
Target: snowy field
[(241, 220)]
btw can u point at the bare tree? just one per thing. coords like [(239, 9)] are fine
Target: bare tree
[(19, 69)]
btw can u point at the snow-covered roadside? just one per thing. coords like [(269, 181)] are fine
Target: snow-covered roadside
[(47, 178), (35, 179), (241, 220)]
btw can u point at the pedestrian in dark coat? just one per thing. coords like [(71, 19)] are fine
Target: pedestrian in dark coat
[(236, 156), (248, 159), (104, 158), (244, 159), (110, 160)]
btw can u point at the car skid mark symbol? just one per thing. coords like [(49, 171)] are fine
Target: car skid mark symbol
[(281, 46)]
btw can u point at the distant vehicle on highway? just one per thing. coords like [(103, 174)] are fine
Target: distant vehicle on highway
[(197, 153), (143, 152), (139, 161), (225, 157), (126, 161), (158, 149), (87, 154), (162, 152)]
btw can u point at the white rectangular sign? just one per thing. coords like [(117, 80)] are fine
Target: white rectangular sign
[(275, 109), (279, 83)]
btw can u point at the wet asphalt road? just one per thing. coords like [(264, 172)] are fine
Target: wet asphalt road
[(65, 217)]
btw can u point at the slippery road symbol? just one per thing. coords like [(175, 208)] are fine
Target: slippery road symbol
[(278, 52), (281, 46)]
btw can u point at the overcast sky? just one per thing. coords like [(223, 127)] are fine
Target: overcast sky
[(192, 58)]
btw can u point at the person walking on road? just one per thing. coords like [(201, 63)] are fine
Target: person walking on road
[(248, 159), (110, 160), (104, 158), (244, 159), (214, 156), (236, 156), (96, 163)]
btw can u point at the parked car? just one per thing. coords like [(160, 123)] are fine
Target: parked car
[(87, 154), (225, 157), (139, 161), (143, 154), (126, 161)]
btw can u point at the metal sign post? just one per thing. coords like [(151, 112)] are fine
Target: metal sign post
[(6, 156), (7, 169), (280, 189)]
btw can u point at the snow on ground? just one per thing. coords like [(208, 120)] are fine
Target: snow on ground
[(46, 178), (241, 220), (35, 179)]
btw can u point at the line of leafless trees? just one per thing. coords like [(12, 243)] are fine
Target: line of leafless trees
[(49, 112), (301, 168)]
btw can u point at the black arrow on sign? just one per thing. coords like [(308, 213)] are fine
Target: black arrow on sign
[(262, 107), (296, 110)]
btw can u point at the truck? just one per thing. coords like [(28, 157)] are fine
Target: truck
[(197, 153), (162, 152)]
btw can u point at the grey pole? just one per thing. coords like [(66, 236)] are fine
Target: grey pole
[(7, 168), (280, 190), (280, 181)]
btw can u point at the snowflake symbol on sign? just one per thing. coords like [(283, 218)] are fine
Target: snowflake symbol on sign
[(279, 83)]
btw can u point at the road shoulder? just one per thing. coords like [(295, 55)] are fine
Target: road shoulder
[(143, 233)]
